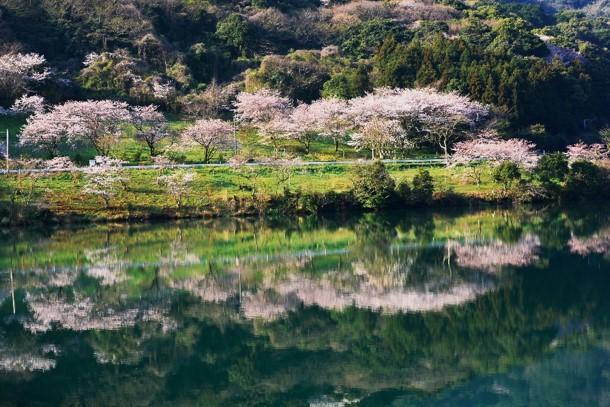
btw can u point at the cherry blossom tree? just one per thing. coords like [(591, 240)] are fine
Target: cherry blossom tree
[(178, 185), (267, 111), (19, 71), (59, 164), (212, 135), (28, 105), (43, 131), (381, 136), (261, 107), (300, 125), (105, 179), (95, 122), (150, 126), (441, 117), (495, 151), (586, 152), (331, 119)]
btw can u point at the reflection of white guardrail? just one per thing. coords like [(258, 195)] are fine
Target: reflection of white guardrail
[(412, 162)]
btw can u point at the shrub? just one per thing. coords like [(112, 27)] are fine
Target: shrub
[(423, 187), (403, 191), (552, 168), (587, 180), (373, 186), (506, 173)]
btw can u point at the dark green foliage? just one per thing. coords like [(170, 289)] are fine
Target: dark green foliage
[(373, 187), (234, 31), (551, 169), (286, 5), (347, 84), (423, 187), (403, 191), (295, 76), (506, 174), (362, 40), (587, 180)]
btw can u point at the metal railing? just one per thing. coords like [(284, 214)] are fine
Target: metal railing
[(416, 162)]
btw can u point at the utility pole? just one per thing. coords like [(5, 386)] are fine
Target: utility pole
[(235, 135), (7, 148)]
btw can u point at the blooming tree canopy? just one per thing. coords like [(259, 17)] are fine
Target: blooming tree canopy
[(439, 116), (261, 107), (178, 184), (495, 151), (28, 105), (150, 126), (331, 118), (95, 122), (379, 135), (586, 152), (18, 71), (212, 135)]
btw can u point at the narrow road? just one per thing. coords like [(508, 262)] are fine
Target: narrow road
[(412, 162)]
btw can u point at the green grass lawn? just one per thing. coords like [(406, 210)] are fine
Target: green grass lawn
[(63, 193)]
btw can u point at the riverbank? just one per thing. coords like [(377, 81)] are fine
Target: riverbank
[(235, 191)]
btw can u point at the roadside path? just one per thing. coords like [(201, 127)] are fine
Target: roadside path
[(412, 162)]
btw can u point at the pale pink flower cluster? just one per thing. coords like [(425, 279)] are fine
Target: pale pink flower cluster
[(261, 107), (599, 242), (495, 151), (28, 105), (497, 254), (59, 163), (84, 315), (91, 121), (587, 152), (18, 70), (423, 104), (24, 362)]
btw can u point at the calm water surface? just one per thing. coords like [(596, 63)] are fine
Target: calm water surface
[(489, 307)]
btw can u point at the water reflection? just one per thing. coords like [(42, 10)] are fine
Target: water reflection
[(412, 308)]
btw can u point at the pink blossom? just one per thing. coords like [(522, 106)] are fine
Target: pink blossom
[(211, 134), (586, 152), (495, 151), (261, 107)]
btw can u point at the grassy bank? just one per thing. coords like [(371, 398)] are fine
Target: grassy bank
[(213, 192)]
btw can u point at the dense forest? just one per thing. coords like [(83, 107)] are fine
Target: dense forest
[(543, 67)]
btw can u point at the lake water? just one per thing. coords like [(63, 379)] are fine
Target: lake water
[(486, 307)]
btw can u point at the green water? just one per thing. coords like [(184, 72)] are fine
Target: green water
[(487, 307)]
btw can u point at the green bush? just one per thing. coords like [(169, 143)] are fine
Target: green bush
[(506, 174), (423, 187), (552, 169), (403, 191), (373, 186), (587, 180)]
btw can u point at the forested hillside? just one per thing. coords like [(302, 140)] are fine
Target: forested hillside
[(542, 67)]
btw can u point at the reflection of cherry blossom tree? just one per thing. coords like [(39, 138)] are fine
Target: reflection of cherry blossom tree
[(599, 242), (496, 254)]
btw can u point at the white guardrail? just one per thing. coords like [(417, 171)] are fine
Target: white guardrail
[(412, 162)]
